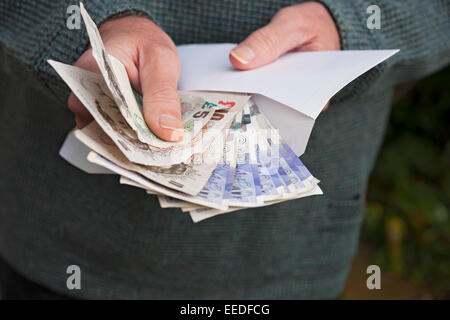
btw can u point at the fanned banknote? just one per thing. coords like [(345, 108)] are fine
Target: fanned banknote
[(150, 185), (279, 191), (91, 90), (188, 178)]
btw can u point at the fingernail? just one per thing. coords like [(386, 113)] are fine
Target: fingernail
[(176, 135), (167, 121), (243, 54)]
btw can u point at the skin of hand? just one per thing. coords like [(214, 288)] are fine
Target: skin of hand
[(153, 66), (302, 27)]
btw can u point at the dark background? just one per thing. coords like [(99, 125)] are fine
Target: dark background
[(406, 229)]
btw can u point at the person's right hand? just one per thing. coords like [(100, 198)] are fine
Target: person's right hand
[(153, 66)]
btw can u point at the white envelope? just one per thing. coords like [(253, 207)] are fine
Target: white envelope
[(75, 152), (291, 92)]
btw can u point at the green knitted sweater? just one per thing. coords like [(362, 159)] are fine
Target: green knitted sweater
[(52, 215)]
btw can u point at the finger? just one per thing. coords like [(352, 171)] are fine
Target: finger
[(81, 122), (82, 115), (126, 55), (123, 53), (266, 44), (159, 69), (326, 106), (87, 62)]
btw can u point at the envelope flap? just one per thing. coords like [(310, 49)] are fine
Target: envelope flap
[(305, 81)]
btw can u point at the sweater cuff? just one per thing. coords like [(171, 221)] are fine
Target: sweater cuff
[(67, 45), (350, 18)]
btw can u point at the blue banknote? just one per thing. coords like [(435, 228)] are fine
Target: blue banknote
[(294, 168), (271, 184), (246, 188), (291, 157), (215, 188)]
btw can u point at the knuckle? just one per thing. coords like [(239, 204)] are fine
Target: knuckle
[(165, 54), (71, 102), (159, 50), (75, 105), (266, 40), (285, 11), (317, 46), (120, 52), (163, 58), (85, 59), (163, 94)]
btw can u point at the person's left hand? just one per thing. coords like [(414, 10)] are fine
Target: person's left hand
[(303, 27)]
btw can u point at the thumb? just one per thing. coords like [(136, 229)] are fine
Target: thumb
[(266, 44), (159, 69)]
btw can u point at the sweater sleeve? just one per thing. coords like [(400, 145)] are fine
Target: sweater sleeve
[(420, 29), (33, 31)]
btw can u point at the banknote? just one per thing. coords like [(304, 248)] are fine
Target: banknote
[(115, 76), (188, 178), (223, 118), (288, 185), (222, 178), (92, 91), (307, 182), (271, 185), (220, 184), (225, 105), (169, 202), (246, 188), (215, 187), (269, 156), (196, 112), (228, 164), (129, 182), (198, 215), (303, 171), (294, 179), (222, 100), (148, 184), (290, 166), (273, 188)]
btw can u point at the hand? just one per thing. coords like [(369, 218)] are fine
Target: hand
[(303, 27), (153, 66)]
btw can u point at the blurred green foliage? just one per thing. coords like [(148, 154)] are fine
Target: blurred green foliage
[(408, 202)]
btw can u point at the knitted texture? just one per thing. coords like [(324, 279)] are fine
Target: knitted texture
[(54, 215)]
